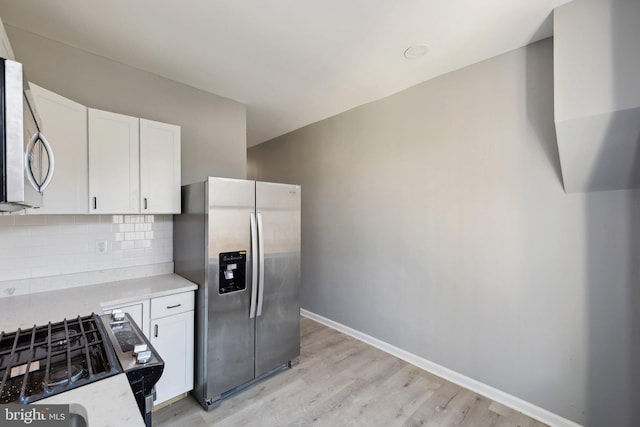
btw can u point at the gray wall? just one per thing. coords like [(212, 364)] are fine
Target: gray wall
[(436, 220), (213, 128)]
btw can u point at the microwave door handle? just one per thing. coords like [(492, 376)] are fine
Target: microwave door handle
[(52, 162), (29, 153)]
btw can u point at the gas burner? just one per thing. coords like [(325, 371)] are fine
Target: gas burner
[(59, 338), (59, 376)]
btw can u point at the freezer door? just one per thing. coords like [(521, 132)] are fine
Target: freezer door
[(230, 334), (278, 304)]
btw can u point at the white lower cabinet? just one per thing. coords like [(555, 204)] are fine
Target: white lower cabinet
[(172, 335), (168, 323)]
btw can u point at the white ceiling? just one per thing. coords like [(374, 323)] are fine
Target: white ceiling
[(292, 62)]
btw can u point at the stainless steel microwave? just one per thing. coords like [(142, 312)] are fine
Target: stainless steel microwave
[(26, 158)]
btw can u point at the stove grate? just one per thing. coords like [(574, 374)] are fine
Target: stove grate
[(45, 360)]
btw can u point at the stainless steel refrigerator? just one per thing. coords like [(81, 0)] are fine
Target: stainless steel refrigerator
[(239, 240)]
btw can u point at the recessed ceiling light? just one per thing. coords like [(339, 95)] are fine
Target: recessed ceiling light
[(416, 51)]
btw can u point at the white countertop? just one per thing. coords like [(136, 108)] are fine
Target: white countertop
[(25, 311), (108, 402)]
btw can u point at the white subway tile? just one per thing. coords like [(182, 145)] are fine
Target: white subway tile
[(50, 231), (129, 244), (31, 220), (74, 229), (15, 231), (6, 220), (45, 270), (134, 252), (123, 262), (50, 247), (39, 240), (93, 229), (87, 219), (59, 219)]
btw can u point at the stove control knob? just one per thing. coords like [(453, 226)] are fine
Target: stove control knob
[(139, 348), (117, 315), (143, 357)]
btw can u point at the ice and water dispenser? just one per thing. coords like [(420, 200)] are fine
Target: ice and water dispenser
[(233, 269)]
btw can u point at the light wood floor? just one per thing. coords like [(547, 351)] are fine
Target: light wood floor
[(341, 381)]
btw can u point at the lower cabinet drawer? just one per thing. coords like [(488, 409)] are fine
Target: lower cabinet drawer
[(172, 304)]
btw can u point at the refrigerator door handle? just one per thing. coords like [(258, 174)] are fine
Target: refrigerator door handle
[(261, 265), (254, 266)]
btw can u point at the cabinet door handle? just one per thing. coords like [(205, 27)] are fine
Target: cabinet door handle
[(95, 203), (145, 203), (174, 306), (155, 330)]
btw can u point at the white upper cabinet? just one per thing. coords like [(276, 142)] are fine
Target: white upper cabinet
[(114, 163), (5, 47), (64, 123), (134, 165), (159, 167)]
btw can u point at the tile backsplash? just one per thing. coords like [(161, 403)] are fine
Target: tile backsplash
[(34, 246)]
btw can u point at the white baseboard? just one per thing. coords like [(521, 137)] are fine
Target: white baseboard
[(485, 390)]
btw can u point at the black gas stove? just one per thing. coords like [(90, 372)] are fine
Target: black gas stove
[(45, 360), (39, 362)]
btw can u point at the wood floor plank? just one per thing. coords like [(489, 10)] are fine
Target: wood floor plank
[(342, 381)]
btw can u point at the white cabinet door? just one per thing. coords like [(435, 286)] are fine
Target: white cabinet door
[(172, 337), (139, 312), (114, 180), (64, 123), (159, 167)]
